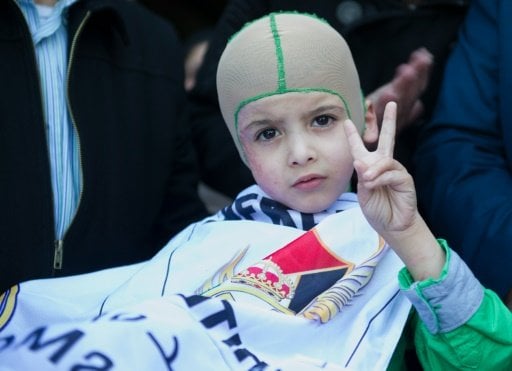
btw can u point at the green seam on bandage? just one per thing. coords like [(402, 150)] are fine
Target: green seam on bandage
[(281, 76)]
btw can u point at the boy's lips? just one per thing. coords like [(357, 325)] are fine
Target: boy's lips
[(309, 182)]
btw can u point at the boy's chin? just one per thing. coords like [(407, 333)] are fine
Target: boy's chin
[(313, 207)]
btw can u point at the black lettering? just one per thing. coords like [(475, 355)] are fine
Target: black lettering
[(121, 317), (308, 221), (277, 212), (233, 340), (227, 314), (242, 354), (260, 366), (245, 211), (67, 340), (229, 213), (193, 300), (106, 365), (221, 316), (6, 342), (168, 359), (99, 316), (128, 317)]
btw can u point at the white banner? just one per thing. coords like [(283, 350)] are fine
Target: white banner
[(271, 297)]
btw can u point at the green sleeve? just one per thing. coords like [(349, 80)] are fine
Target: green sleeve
[(482, 343), (456, 323)]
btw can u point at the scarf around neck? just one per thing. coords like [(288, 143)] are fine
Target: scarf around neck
[(254, 204)]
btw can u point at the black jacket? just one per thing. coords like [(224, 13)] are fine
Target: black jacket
[(381, 35), (125, 93)]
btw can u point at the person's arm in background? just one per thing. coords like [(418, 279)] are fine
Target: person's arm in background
[(408, 84), (463, 165)]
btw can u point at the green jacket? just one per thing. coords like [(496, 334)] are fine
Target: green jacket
[(474, 334)]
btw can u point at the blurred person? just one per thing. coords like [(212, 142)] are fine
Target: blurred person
[(95, 160), (195, 49), (464, 160)]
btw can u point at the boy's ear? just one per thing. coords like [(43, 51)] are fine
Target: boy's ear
[(371, 130)]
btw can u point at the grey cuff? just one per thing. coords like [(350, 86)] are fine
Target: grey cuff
[(449, 302)]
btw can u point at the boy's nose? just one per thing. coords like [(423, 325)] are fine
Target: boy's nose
[(301, 151)]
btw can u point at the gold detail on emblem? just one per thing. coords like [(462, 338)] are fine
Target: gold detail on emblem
[(223, 274), (7, 305)]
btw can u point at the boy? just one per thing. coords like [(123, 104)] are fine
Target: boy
[(300, 90), (324, 299)]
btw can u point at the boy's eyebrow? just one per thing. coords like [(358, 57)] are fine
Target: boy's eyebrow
[(316, 111), (321, 109), (263, 122)]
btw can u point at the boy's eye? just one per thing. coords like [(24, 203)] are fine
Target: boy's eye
[(266, 134), (322, 120)]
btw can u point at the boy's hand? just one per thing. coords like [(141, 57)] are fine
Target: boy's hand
[(385, 189), (388, 200)]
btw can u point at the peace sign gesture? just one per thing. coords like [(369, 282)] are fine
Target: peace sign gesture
[(388, 200), (385, 189)]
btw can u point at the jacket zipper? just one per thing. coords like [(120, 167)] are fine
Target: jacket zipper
[(59, 243)]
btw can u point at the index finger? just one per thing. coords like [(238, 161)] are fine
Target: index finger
[(355, 143), (387, 133)]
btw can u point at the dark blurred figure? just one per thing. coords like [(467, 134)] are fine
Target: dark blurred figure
[(188, 17), (464, 160), (95, 160), (388, 40), (195, 49)]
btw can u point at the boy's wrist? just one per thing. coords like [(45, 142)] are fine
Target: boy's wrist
[(418, 249), (438, 301)]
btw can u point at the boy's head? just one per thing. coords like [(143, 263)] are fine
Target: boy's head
[(286, 83)]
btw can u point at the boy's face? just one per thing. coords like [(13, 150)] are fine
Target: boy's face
[(296, 148)]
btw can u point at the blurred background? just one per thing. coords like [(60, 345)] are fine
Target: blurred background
[(189, 16)]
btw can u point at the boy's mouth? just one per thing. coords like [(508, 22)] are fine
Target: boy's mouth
[(308, 182)]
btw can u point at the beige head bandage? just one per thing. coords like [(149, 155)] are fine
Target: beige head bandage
[(282, 53)]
